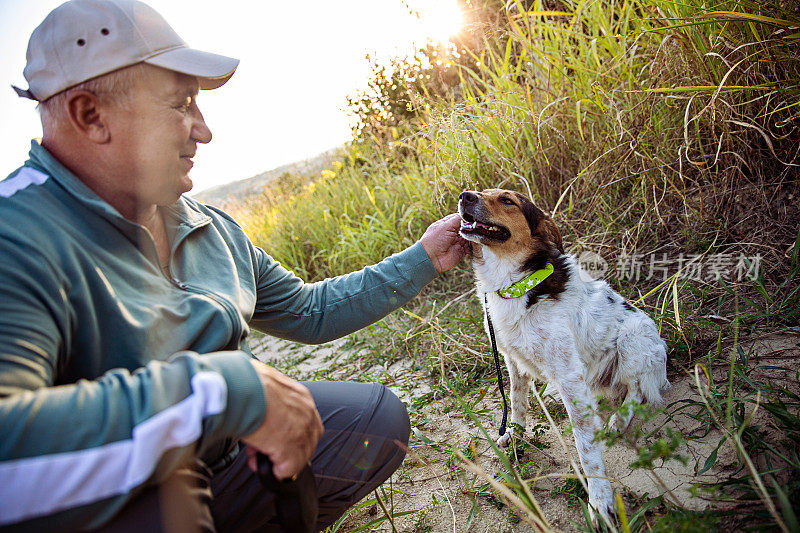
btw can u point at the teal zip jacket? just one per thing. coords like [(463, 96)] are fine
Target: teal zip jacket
[(112, 374)]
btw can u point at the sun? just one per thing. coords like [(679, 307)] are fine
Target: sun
[(439, 19)]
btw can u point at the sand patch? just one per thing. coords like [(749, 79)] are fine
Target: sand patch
[(443, 497)]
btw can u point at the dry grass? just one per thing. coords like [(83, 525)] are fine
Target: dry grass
[(645, 127)]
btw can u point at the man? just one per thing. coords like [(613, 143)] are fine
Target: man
[(126, 384)]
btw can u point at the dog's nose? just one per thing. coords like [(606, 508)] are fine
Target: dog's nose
[(468, 197)]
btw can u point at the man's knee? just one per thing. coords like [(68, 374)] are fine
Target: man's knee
[(391, 419), (365, 457)]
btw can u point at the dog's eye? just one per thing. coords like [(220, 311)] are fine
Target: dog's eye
[(507, 201)]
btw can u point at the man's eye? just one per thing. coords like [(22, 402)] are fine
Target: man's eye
[(507, 201), (185, 104)]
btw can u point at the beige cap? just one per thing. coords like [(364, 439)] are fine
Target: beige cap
[(83, 39)]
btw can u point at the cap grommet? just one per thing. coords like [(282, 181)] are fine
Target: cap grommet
[(81, 42), (105, 31)]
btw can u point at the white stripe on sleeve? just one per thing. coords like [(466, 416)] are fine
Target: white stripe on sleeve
[(26, 176), (43, 485)]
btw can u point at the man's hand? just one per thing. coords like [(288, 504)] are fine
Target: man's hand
[(291, 428), (445, 247)]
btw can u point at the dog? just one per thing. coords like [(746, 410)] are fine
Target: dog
[(559, 326)]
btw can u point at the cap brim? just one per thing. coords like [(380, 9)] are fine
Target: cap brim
[(212, 70)]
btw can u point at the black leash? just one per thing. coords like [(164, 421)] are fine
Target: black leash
[(496, 365)]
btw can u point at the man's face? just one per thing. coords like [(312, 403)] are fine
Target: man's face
[(156, 135)]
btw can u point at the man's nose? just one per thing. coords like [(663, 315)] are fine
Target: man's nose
[(200, 131), (468, 197)]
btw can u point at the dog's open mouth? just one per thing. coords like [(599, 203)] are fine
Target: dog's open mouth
[(471, 226)]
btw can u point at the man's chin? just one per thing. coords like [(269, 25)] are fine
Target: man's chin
[(170, 197), (185, 185)]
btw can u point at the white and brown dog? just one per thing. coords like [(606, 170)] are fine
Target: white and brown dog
[(555, 325)]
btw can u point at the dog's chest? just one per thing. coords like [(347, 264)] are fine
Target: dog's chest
[(560, 331), (527, 335), (552, 334)]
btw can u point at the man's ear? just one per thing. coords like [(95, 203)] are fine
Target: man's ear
[(85, 114)]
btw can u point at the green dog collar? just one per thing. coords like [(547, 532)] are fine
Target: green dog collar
[(524, 285)]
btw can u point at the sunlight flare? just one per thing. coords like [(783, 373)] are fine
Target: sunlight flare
[(440, 19)]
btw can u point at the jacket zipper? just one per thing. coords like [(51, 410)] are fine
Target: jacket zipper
[(230, 310)]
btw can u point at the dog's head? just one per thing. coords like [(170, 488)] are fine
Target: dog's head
[(508, 223)]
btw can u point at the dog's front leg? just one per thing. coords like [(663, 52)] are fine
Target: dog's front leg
[(582, 410), (520, 387)]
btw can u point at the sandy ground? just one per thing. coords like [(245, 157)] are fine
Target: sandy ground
[(447, 498)]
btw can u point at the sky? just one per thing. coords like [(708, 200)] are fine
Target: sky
[(287, 100)]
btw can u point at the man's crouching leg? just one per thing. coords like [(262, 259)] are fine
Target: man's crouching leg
[(366, 433)]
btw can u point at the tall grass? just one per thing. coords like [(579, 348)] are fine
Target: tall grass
[(639, 123), (643, 125), (668, 126)]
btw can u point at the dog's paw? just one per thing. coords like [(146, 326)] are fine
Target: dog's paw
[(606, 514), (601, 502), (505, 438)]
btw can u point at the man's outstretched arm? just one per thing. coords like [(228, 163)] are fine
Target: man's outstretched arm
[(319, 312)]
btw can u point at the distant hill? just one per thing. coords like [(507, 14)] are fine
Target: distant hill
[(238, 191)]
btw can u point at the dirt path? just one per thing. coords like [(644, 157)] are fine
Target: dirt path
[(443, 497)]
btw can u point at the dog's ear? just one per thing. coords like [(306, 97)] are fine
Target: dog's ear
[(541, 225), (532, 213), (548, 229)]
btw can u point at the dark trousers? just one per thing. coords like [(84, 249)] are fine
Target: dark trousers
[(366, 433)]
